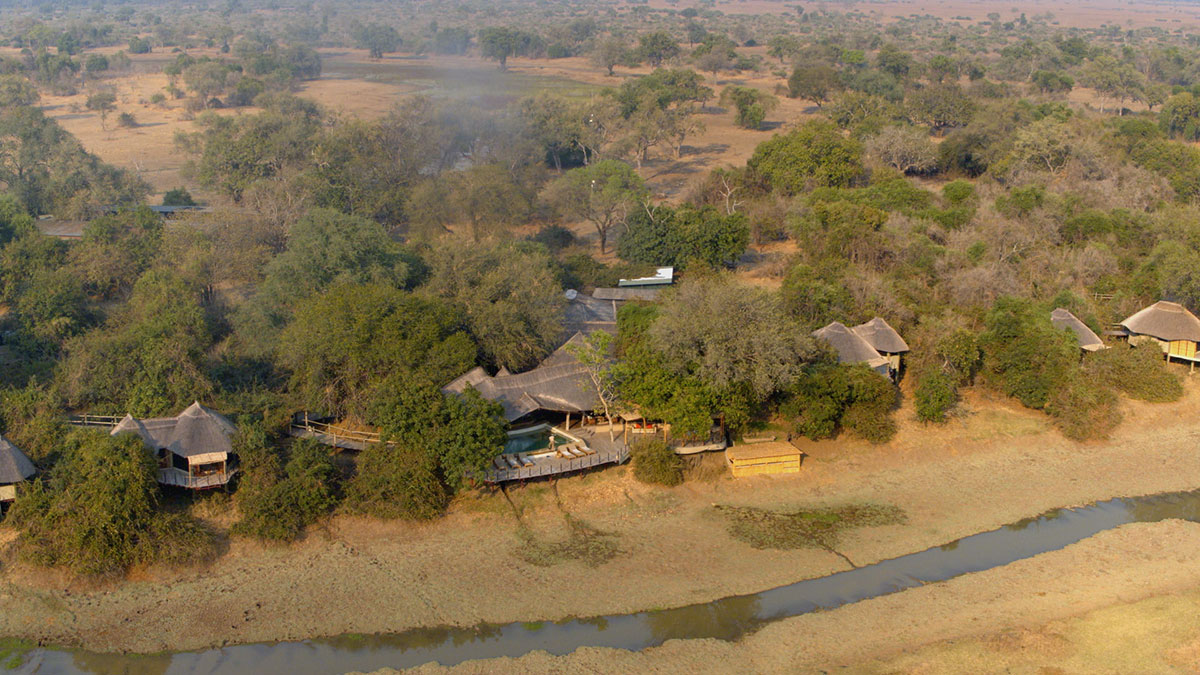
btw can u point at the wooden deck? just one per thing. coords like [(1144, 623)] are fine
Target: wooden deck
[(180, 478), (589, 448)]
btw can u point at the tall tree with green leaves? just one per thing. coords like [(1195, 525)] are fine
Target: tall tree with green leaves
[(604, 193)]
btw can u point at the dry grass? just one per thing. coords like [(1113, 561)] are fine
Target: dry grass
[(807, 528), (583, 543)]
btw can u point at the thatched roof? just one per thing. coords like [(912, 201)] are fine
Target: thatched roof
[(881, 336), (585, 314), (649, 293), (559, 384), (1166, 321), (195, 431), (1065, 320), (850, 347), (14, 465)]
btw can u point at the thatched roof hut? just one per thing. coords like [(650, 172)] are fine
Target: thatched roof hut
[(1088, 340), (193, 448), (880, 335), (15, 468), (557, 384), (14, 465), (852, 348), (1167, 321), (1171, 325), (586, 314)]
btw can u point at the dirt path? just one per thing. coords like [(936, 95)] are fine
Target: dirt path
[(987, 469), (993, 621)]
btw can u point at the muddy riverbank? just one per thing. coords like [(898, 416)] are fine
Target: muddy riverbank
[(358, 576)]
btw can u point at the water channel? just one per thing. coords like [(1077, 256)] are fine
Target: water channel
[(727, 618)]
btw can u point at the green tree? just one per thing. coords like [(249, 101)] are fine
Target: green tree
[(657, 47), (489, 198), (280, 509), (935, 395), (508, 293), (675, 237), (345, 342), (611, 52), (148, 358), (1025, 356), (325, 248), (500, 43), (178, 197), (752, 105), (377, 39), (102, 102), (1180, 117), (763, 350), (17, 91), (940, 107), (815, 82), (813, 154), (604, 194)]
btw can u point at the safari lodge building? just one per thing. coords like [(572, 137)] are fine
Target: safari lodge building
[(194, 449), (1169, 325), (15, 468)]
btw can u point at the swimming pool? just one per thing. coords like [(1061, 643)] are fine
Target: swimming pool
[(533, 439)]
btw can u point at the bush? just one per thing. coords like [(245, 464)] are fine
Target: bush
[(1084, 410), (1139, 373), (554, 237), (127, 121), (158, 98), (395, 482), (98, 513), (828, 396), (934, 397), (280, 509), (178, 197), (1025, 356), (655, 462)]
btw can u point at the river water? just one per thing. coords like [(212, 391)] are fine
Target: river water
[(728, 618)]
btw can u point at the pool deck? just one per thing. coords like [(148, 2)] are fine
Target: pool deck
[(594, 449)]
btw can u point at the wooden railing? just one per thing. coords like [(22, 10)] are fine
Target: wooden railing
[(94, 420), (331, 434), (181, 478)]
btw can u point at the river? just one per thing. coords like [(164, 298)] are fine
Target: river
[(728, 618)]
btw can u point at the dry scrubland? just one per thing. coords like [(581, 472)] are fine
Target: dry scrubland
[(995, 465)]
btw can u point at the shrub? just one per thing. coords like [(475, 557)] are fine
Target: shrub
[(554, 237), (958, 191), (828, 396), (1083, 409), (655, 462), (178, 197), (97, 512), (158, 98), (934, 397), (1026, 357), (127, 121), (279, 510), (395, 482), (1139, 373)]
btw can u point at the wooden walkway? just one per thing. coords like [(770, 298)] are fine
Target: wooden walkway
[(106, 421), (323, 432)]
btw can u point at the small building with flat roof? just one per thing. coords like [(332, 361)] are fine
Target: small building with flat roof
[(756, 459)]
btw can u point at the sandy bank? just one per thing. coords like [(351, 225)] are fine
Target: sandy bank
[(1119, 566), (988, 469)]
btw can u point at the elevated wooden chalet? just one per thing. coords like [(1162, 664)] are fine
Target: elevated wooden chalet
[(1169, 325), (194, 449)]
